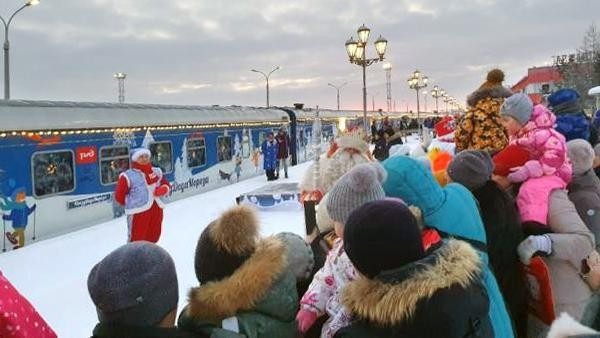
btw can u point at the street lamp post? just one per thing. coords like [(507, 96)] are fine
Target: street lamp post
[(417, 81), (337, 88), (446, 100), (267, 79), (388, 84), (7, 46), (373, 100), (437, 92), (357, 53), (121, 81)]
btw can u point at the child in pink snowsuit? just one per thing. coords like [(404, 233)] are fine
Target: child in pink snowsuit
[(548, 167), (323, 297)]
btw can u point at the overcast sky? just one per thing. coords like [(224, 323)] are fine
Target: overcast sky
[(201, 52)]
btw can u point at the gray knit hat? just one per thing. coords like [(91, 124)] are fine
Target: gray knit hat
[(363, 183), (134, 285), (471, 168), (581, 154), (518, 106)]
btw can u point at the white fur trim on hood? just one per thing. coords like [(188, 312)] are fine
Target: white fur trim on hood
[(565, 326), (135, 155)]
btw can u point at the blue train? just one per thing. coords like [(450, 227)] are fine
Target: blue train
[(65, 157)]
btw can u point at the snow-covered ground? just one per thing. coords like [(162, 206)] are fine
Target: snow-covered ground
[(52, 273)]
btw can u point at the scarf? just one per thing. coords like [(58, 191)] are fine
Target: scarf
[(149, 174)]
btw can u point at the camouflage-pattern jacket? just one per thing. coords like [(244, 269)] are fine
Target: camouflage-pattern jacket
[(481, 128)]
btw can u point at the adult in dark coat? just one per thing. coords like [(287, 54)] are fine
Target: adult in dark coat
[(405, 291), (473, 169), (381, 151), (373, 131), (283, 151)]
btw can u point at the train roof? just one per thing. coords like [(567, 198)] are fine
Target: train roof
[(330, 114), (60, 115)]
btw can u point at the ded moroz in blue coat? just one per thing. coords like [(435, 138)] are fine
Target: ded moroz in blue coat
[(270, 150)]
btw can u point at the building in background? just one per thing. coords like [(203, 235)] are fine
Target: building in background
[(538, 82)]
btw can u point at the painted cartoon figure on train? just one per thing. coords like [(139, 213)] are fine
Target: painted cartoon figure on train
[(18, 215)]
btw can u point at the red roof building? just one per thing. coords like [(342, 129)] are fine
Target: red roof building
[(538, 82)]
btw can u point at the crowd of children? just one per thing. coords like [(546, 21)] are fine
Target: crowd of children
[(486, 242)]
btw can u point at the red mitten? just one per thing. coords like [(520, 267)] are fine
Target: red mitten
[(305, 319), (161, 191)]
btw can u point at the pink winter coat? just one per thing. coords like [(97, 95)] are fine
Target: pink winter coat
[(18, 318), (323, 294), (548, 168)]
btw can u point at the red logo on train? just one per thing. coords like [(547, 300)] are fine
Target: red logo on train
[(86, 155)]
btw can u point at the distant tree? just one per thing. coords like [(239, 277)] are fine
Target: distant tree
[(582, 71)]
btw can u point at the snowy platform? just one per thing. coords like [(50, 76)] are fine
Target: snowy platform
[(52, 274), (277, 196)]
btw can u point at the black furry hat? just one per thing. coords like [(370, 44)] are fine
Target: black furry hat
[(226, 243)]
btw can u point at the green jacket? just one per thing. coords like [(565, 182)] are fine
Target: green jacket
[(260, 298)]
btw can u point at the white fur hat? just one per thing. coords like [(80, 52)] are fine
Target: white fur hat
[(136, 153)]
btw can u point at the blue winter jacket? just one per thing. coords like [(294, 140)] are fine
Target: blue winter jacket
[(18, 217), (573, 126), (452, 210), (269, 151)]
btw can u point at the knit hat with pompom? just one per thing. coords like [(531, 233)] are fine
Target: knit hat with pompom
[(494, 78), (363, 183), (226, 243)]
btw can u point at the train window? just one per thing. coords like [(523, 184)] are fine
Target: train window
[(162, 155), (113, 161), (224, 148), (196, 152), (53, 172)]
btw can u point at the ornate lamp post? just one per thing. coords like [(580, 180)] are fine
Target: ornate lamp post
[(7, 46), (337, 88), (437, 92), (446, 99), (357, 54), (417, 81), (373, 100), (267, 79)]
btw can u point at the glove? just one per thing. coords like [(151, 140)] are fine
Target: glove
[(519, 175), (529, 169), (533, 244), (161, 191), (305, 319)]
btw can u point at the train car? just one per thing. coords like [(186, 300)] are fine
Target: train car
[(65, 157)]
